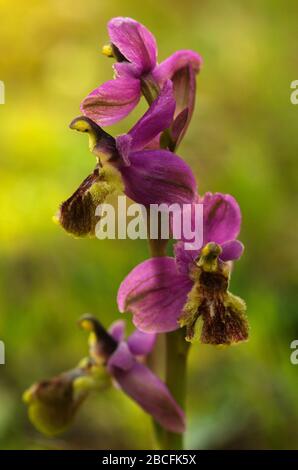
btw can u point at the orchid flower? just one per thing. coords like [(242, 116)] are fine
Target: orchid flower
[(131, 375), (148, 176), (191, 290), (137, 72), (53, 403)]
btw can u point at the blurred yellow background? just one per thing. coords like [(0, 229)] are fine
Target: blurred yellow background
[(242, 140)]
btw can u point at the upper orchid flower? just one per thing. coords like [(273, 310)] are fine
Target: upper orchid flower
[(53, 403), (137, 72), (149, 176), (191, 289)]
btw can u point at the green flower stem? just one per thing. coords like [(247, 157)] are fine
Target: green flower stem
[(176, 352), (176, 348), (176, 379), (157, 248)]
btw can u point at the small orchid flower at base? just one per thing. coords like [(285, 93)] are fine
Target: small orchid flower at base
[(191, 290), (52, 404), (131, 374)]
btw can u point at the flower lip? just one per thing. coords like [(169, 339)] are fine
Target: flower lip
[(53, 403), (212, 314), (77, 214)]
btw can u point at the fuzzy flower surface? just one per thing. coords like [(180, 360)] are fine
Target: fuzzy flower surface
[(137, 72), (191, 290)]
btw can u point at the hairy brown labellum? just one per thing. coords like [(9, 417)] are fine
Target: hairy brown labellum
[(77, 213), (212, 314)]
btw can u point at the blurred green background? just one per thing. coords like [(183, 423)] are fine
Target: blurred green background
[(242, 140)]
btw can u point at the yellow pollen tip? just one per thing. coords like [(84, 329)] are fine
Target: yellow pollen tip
[(107, 50), (86, 325)]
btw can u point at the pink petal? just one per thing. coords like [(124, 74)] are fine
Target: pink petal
[(112, 101), (123, 145), (181, 68), (185, 94), (140, 343), (122, 358), (184, 258), (222, 217), (155, 293), (179, 60), (231, 250), (134, 41), (158, 176), (158, 118), (152, 395), (180, 125), (117, 330), (126, 69)]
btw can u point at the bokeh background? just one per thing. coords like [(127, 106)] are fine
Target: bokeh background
[(242, 140)]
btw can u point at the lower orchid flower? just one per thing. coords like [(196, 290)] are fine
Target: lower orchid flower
[(52, 404), (120, 358), (148, 176), (191, 290)]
